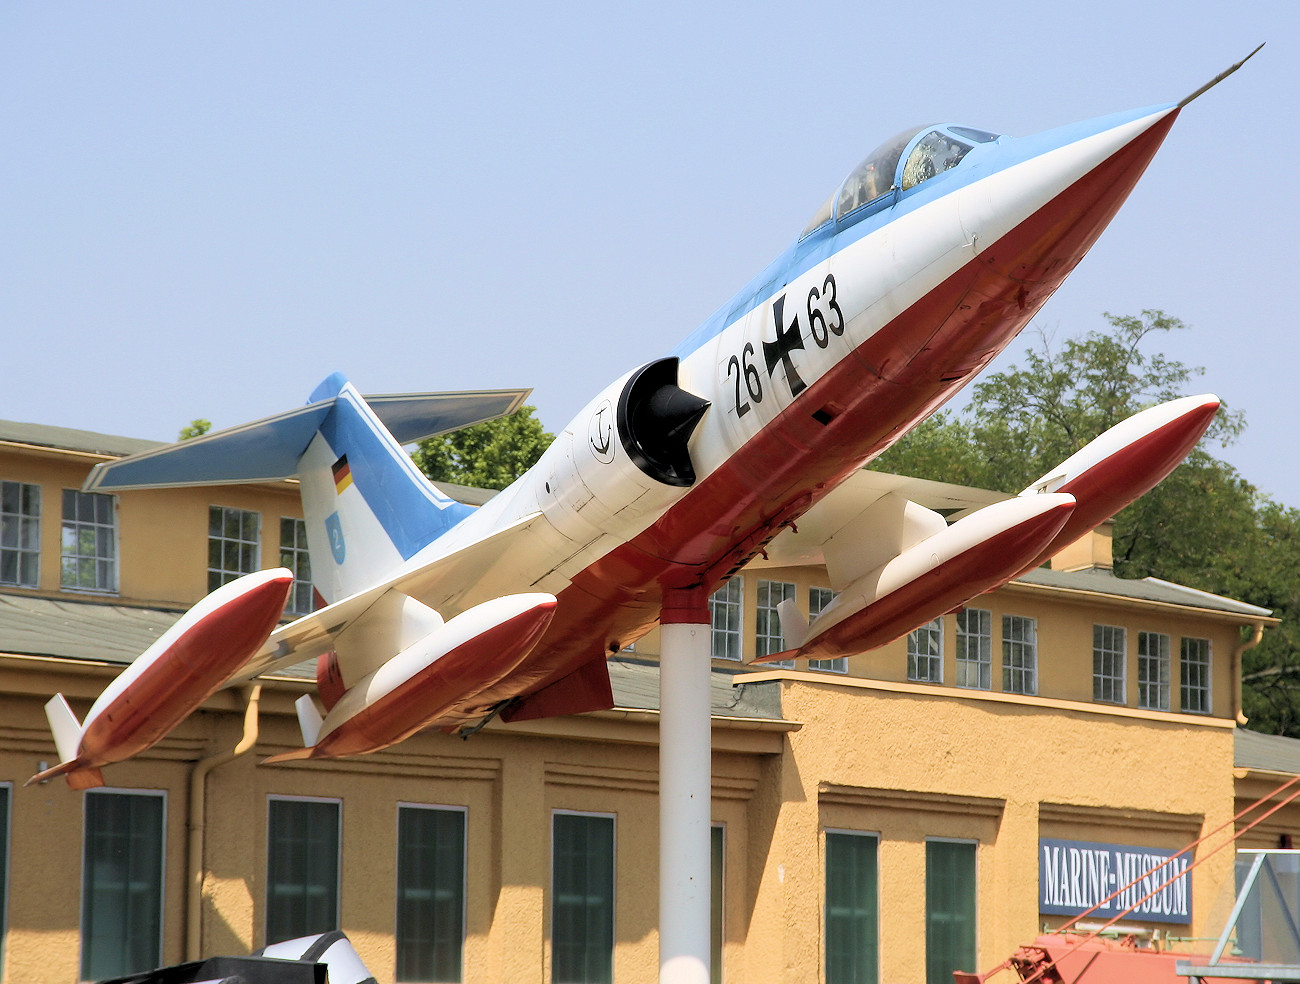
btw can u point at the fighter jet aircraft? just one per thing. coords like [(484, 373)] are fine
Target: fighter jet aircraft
[(913, 274)]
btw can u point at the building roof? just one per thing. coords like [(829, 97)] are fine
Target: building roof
[(67, 439), (1100, 580), (81, 630), (636, 687), (1266, 753), (117, 634)]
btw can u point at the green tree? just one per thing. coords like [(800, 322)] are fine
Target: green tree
[(490, 455), (194, 428), (1026, 420), (1204, 526)]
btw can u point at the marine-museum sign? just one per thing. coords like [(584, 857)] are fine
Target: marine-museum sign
[(1075, 876)]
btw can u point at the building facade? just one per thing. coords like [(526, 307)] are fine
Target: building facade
[(924, 807)]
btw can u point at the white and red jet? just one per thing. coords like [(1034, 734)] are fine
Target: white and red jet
[(913, 275)]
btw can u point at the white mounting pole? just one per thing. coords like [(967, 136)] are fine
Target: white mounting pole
[(685, 788)]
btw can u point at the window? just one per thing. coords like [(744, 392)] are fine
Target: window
[(234, 542), (925, 653), (1194, 675), (20, 534), (89, 561), (582, 899), (1153, 671), (949, 909), (294, 555), (768, 638), (724, 613), (818, 599), (302, 868), (852, 909), (1109, 649), (717, 871), (4, 865), (121, 884), (975, 648), (430, 893), (1019, 654)]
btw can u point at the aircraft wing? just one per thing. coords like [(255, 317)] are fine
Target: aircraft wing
[(439, 584), (807, 542)]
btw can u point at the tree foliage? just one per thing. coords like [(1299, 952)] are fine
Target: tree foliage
[(1204, 526), (194, 428), (490, 455)]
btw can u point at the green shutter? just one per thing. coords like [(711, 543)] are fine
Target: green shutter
[(430, 893), (582, 900), (949, 909), (4, 868), (717, 851), (121, 885), (852, 909), (302, 869)]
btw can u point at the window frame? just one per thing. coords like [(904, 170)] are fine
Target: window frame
[(463, 812), (734, 630), (1206, 687), (1162, 661), (817, 603), (827, 834), (1012, 665), (982, 665), (23, 519), (77, 526), (768, 615), (933, 660), (161, 796), (297, 554), (1102, 681), (337, 802), (217, 576), (613, 886)]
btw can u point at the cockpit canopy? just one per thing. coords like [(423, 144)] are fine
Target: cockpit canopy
[(900, 163)]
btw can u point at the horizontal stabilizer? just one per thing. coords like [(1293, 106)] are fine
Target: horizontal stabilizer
[(268, 450), (78, 776)]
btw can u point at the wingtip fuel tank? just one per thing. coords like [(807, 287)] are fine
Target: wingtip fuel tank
[(412, 690), (183, 668)]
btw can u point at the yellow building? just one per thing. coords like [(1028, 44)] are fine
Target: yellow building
[(886, 818)]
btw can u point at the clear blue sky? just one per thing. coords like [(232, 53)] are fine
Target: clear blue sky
[(206, 207)]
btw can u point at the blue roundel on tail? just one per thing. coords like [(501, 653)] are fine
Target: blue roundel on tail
[(335, 530)]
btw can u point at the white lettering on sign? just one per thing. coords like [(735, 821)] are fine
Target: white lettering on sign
[(1075, 876)]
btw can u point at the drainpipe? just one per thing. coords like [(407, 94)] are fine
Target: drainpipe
[(198, 798), (1237, 653)]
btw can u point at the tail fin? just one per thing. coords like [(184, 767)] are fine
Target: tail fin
[(309, 720), (64, 726), (367, 507)]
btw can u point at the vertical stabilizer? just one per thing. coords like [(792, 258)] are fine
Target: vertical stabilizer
[(309, 720), (368, 508), (65, 727)]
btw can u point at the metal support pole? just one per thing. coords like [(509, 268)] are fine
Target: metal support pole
[(685, 789)]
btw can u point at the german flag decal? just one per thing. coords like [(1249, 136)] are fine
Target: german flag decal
[(342, 475)]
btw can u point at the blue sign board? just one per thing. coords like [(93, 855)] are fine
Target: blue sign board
[(1075, 876)]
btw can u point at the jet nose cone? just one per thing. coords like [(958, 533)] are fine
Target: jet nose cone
[(1035, 219)]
